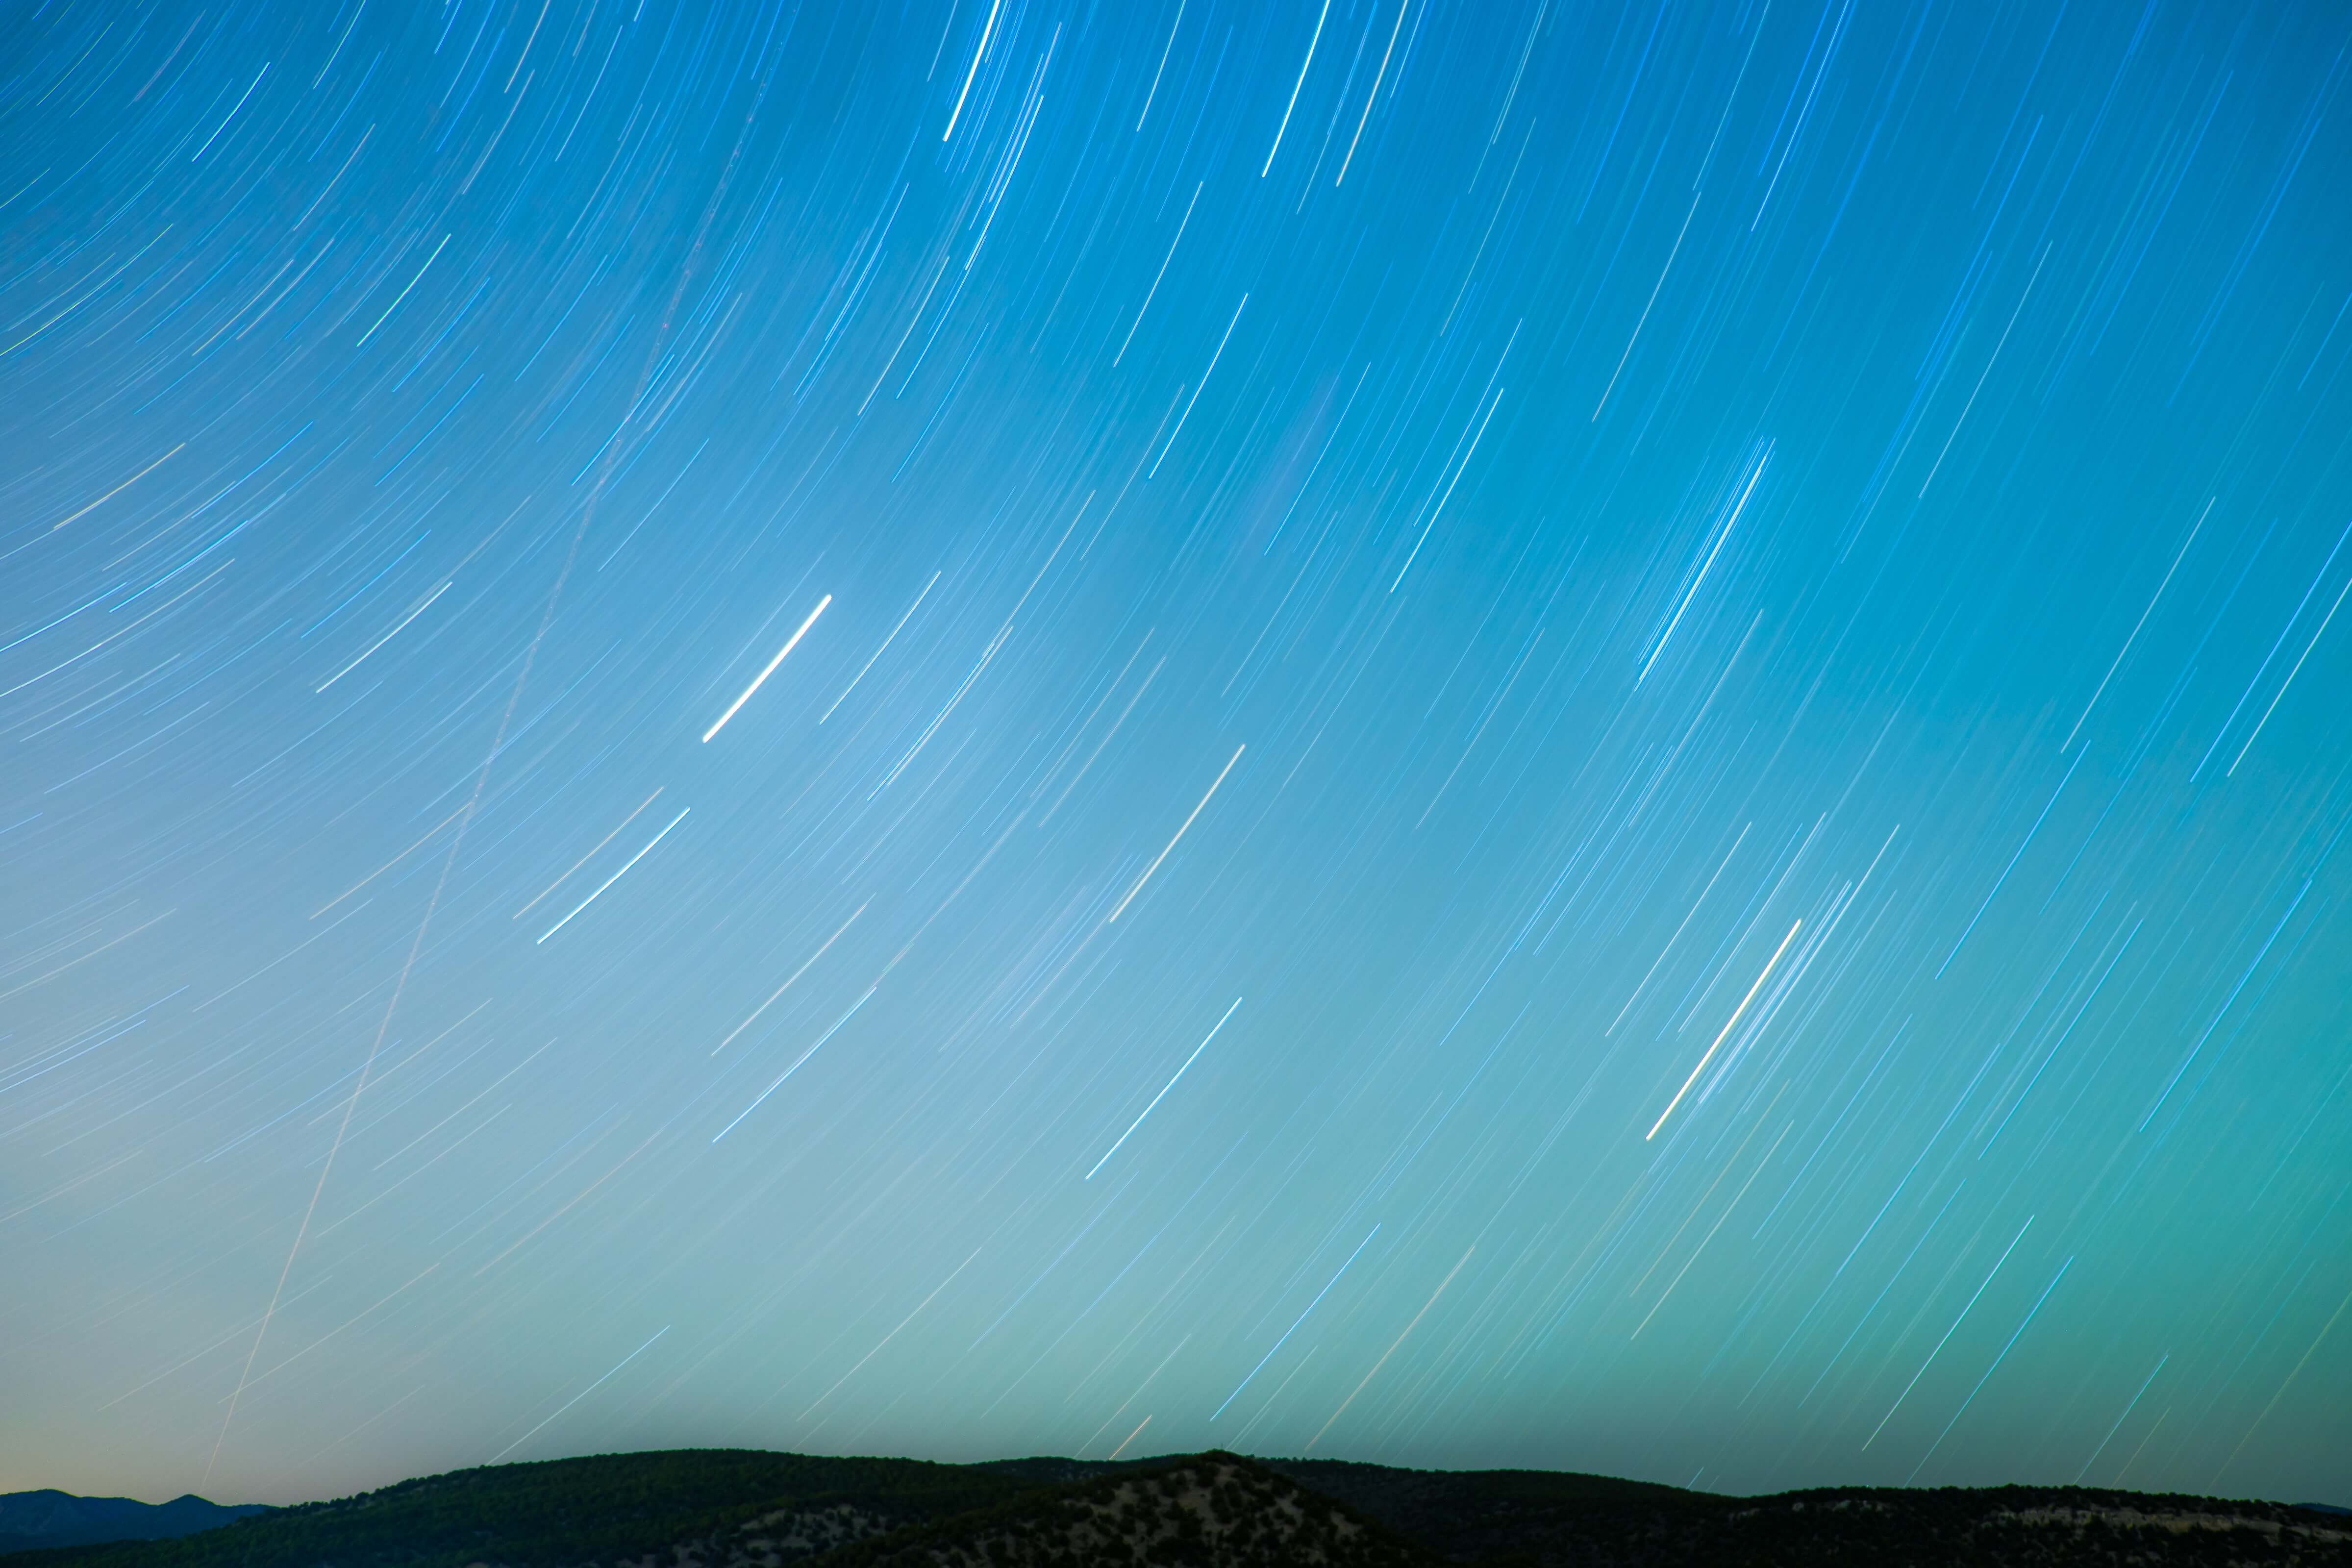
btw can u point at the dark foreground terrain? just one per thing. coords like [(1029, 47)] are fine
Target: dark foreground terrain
[(737, 1508)]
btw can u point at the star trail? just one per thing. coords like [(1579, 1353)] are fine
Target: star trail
[(1602, 736)]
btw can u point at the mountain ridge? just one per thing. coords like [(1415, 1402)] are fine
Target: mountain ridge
[(46, 1517), (754, 1509)]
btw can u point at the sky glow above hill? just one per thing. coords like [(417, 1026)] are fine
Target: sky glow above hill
[(1608, 738)]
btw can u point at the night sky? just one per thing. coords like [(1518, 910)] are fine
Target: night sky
[(1461, 734)]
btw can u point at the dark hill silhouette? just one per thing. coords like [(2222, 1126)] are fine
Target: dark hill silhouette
[(49, 1517), (607, 1508), (743, 1508)]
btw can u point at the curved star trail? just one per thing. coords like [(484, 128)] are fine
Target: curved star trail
[(1727, 619)]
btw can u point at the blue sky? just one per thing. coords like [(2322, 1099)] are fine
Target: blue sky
[(1607, 738)]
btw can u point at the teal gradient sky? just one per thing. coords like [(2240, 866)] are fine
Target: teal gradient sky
[(1612, 737)]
